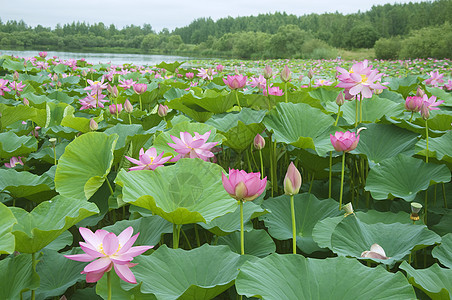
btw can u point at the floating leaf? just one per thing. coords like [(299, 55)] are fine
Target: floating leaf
[(295, 277), (403, 176), (201, 273), (47, 221), (257, 242), (443, 252), (308, 211), (6, 224), (13, 145), (85, 164), (190, 191), (435, 281)]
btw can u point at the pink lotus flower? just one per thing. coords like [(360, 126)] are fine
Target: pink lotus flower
[(206, 73), (431, 102), (292, 180), (92, 101), (273, 90), (259, 142), (345, 141), (219, 68), (115, 108), (192, 147), (108, 250), (148, 160), (235, 81), (128, 107), (14, 161), (413, 103), (4, 86), (376, 251), (189, 75), (286, 74), (163, 110), (17, 86), (447, 86), (140, 88), (435, 78), (96, 86), (243, 186), (259, 82), (42, 54), (322, 82), (127, 84)]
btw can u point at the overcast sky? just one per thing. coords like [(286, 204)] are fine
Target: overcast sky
[(166, 13)]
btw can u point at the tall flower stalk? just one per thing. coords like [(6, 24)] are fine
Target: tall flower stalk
[(292, 184)]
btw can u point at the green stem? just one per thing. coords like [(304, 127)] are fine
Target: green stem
[(426, 206), (412, 113), (356, 112), (197, 236), (237, 97), (141, 106), (54, 155), (444, 196), (330, 174), (109, 284), (275, 181), (130, 120), (33, 267), (242, 232), (117, 110), (312, 182), (285, 91), (109, 186), (294, 227), (176, 233), (186, 239), (360, 109), (262, 165), (426, 138), (337, 117), (342, 180), (271, 167)]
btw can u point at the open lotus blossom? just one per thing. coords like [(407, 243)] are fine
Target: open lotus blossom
[(108, 251), (376, 251), (192, 147), (14, 161), (42, 54), (96, 86), (435, 78), (17, 86), (127, 83), (219, 68), (360, 79), (235, 82), (244, 186), (345, 141), (259, 82), (273, 90), (189, 75), (206, 73), (322, 82), (4, 87), (431, 102), (140, 88), (92, 101), (448, 85), (148, 160)]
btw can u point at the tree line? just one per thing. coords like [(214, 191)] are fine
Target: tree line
[(275, 35)]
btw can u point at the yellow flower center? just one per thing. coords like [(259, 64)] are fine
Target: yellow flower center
[(363, 78), (96, 82), (101, 249)]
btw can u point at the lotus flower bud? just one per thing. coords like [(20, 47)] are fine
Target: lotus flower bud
[(55, 77), (310, 74), (419, 92), (43, 54), (53, 142), (16, 76), (348, 209), (378, 91), (114, 107), (113, 90), (128, 107), (189, 75), (286, 74), (415, 209), (220, 68), (26, 102), (292, 181), (300, 77), (84, 73), (59, 84), (259, 142), (425, 111), (93, 125), (340, 99), (268, 72), (163, 110)]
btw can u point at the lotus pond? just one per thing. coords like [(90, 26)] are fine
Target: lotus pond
[(266, 179)]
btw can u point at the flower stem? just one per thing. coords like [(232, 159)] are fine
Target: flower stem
[(54, 155), (412, 113), (109, 284), (33, 268), (176, 233), (285, 91), (426, 138), (130, 120), (141, 106), (275, 180), (444, 196), (237, 97), (262, 164), (361, 109), (337, 117), (109, 186), (330, 174), (242, 232), (197, 235), (342, 180), (294, 227), (356, 112)]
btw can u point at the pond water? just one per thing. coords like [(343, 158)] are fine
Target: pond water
[(95, 58)]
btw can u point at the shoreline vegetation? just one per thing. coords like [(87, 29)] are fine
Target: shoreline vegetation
[(398, 31)]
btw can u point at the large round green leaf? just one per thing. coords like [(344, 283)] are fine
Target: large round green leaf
[(396, 141), (229, 223), (257, 242), (13, 145), (6, 224), (150, 228), (443, 252), (85, 164), (301, 125), (351, 237), (295, 277), (47, 221), (190, 191), (16, 275), (308, 211), (201, 273), (403, 176), (435, 281), (27, 185)]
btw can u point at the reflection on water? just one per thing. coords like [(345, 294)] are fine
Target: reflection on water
[(95, 58)]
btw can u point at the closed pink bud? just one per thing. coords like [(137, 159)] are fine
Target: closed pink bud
[(310, 74), (340, 99), (114, 107), (292, 181), (140, 88), (268, 72), (55, 77), (286, 74), (93, 125), (419, 92), (163, 110), (128, 107), (425, 112), (259, 142), (189, 75), (113, 90), (16, 76), (26, 102)]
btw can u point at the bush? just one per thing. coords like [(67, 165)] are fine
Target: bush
[(387, 48)]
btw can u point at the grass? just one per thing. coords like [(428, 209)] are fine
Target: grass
[(357, 54)]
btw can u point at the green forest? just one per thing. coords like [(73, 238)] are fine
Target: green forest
[(412, 30)]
